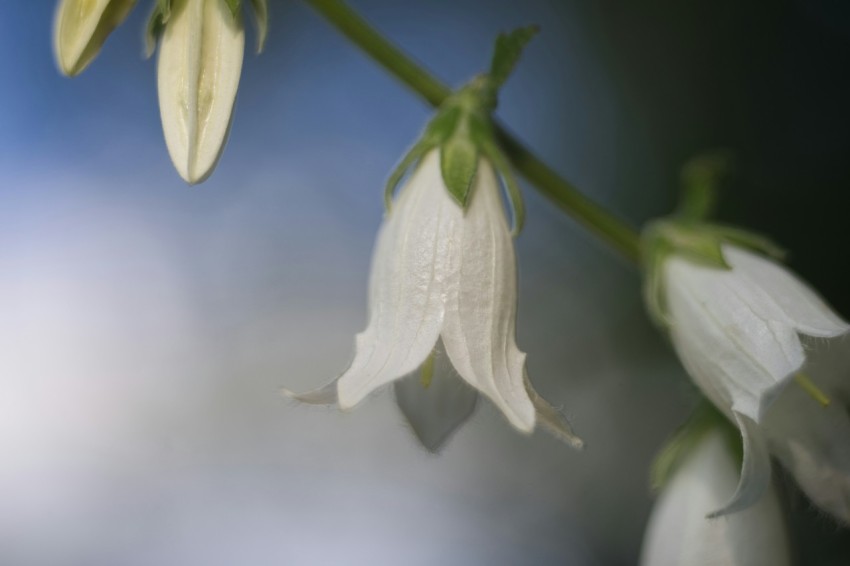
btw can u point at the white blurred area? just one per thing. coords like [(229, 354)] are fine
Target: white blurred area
[(144, 340)]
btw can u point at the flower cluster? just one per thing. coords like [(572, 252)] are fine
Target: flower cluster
[(757, 341), (200, 62)]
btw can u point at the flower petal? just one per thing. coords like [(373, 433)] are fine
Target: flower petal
[(678, 534), (731, 338), (200, 61), (325, 395), (80, 28), (413, 259), (805, 310), (552, 419), (811, 440), (479, 331), (755, 469), (435, 411)]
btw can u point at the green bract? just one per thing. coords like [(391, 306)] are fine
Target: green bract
[(463, 131)]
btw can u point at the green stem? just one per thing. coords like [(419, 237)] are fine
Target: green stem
[(614, 231)]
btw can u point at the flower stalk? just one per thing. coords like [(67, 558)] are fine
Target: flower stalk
[(614, 231)]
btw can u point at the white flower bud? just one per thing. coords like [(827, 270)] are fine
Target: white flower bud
[(679, 534), (80, 28), (200, 61)]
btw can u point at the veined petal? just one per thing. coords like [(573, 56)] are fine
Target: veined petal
[(479, 331), (732, 338), (414, 257), (678, 534), (806, 311), (813, 441), (755, 469), (81, 26), (200, 60), (436, 409)]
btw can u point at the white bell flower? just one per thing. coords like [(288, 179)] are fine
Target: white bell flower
[(679, 534), (81, 26), (442, 273), (738, 333), (200, 61)]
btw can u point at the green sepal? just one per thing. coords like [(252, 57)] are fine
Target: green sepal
[(750, 240), (410, 159), (507, 51), (492, 152), (439, 129), (676, 450), (458, 165), (691, 240), (261, 19), (234, 6), (663, 238), (701, 178), (160, 15)]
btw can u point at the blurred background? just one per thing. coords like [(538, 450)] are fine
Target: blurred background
[(146, 326)]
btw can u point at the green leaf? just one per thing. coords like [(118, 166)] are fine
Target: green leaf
[(509, 47), (261, 18), (156, 24), (458, 163), (234, 6), (701, 179)]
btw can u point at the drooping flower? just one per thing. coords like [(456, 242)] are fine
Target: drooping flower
[(81, 27), (736, 319), (678, 532), (440, 272), (200, 62)]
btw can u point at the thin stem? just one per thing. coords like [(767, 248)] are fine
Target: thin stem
[(614, 231)]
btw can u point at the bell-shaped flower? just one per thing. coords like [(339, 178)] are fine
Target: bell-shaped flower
[(812, 441), (81, 27), (678, 532), (440, 272), (737, 330), (200, 62)]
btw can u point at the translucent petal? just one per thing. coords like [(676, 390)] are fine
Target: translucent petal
[(733, 340), (552, 419), (200, 61), (678, 534), (813, 441), (479, 331), (325, 395), (413, 260), (436, 411), (80, 28), (755, 469), (806, 311)]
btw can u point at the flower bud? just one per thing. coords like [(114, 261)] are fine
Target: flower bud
[(679, 534), (200, 61), (81, 27)]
